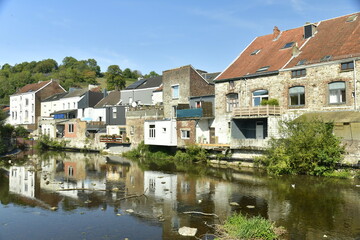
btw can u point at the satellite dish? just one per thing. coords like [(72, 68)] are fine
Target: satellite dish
[(133, 104)]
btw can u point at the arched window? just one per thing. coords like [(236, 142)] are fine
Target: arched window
[(297, 96), (260, 95), (337, 92)]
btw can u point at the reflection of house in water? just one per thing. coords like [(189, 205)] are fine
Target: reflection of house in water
[(22, 181), (160, 184)]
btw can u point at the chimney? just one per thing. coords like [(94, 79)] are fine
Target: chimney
[(276, 33), (309, 30), (295, 50)]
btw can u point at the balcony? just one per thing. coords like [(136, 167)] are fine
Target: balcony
[(194, 113), (258, 111), (111, 139)]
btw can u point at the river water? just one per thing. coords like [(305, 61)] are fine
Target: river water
[(90, 196)]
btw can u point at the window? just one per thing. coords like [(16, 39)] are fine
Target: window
[(258, 96), (26, 102), (301, 62), (74, 104), (132, 130), (114, 112), (231, 85), (297, 96), (232, 101), (288, 45), (198, 104), (71, 171), (298, 73), (185, 134), (347, 66), (255, 52), (71, 128), (263, 69), (337, 93), (326, 58), (68, 105), (151, 131), (175, 91)]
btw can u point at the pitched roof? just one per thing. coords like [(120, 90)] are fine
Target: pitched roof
[(32, 87), (55, 97), (210, 76), (151, 82), (110, 100), (146, 83), (335, 37), (272, 54), (76, 93)]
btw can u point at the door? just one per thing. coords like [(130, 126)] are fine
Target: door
[(259, 130), (212, 136)]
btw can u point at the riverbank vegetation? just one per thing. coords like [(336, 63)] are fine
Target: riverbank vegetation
[(304, 147), (46, 143), (239, 226)]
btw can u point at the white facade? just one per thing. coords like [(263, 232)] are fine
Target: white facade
[(49, 107), (22, 181), (160, 132), (92, 114), (157, 97), (22, 109), (203, 131)]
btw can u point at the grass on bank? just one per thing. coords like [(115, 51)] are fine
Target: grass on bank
[(239, 226)]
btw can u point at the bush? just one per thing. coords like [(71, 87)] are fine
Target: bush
[(45, 143), (20, 131), (193, 153), (305, 147), (270, 102), (238, 226)]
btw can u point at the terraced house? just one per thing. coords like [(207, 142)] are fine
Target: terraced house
[(310, 70)]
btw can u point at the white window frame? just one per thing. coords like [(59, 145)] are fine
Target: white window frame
[(261, 97), (175, 91), (71, 128), (152, 132), (337, 95), (185, 134)]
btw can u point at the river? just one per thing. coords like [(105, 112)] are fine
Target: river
[(92, 196)]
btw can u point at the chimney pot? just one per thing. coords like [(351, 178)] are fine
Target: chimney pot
[(276, 33)]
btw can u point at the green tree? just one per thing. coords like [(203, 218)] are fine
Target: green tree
[(151, 74), (114, 78), (305, 147)]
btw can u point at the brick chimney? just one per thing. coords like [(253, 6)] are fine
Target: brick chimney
[(276, 33)]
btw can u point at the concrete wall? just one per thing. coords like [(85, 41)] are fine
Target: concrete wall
[(165, 133)]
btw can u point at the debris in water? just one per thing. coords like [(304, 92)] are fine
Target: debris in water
[(187, 231)]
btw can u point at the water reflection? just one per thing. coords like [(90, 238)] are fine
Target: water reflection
[(309, 208)]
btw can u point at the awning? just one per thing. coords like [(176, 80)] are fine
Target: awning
[(335, 116)]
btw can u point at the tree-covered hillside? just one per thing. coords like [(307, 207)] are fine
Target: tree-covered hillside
[(70, 73)]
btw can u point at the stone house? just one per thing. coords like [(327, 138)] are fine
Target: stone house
[(25, 104), (178, 128), (312, 68)]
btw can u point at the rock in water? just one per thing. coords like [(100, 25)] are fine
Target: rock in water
[(187, 231)]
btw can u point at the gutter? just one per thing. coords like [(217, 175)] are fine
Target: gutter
[(254, 75)]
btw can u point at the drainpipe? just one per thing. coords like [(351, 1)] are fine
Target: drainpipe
[(355, 107)]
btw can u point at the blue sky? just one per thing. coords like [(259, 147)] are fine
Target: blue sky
[(150, 35)]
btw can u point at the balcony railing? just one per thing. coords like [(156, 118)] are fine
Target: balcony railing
[(194, 113), (257, 111), (111, 139)]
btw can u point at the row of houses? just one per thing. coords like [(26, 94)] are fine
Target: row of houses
[(309, 71)]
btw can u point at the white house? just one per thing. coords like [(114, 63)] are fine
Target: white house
[(25, 104), (160, 132)]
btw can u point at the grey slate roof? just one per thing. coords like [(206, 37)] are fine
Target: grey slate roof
[(146, 83), (76, 93), (110, 100), (210, 76), (55, 97)]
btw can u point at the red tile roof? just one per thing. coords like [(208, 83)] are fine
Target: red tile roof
[(334, 37), (32, 87)]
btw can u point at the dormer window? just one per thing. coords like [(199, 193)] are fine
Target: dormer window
[(347, 66), (263, 69), (255, 52), (301, 62), (288, 45), (326, 58)]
